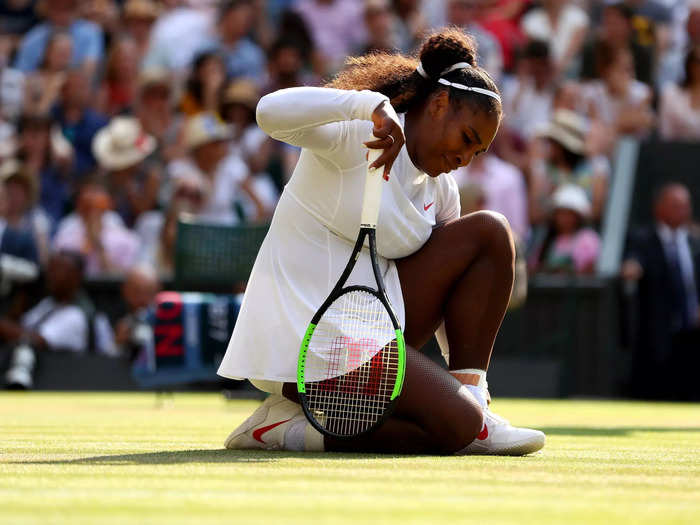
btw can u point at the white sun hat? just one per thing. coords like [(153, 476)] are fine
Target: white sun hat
[(572, 197), (122, 143), (568, 129), (204, 128)]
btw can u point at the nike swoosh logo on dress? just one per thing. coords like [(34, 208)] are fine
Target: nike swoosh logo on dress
[(427, 206), (257, 434)]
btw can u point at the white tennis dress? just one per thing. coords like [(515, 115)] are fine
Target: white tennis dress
[(317, 221)]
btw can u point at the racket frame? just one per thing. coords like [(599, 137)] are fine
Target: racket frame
[(368, 232)]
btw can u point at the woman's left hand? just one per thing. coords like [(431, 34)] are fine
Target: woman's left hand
[(389, 137)]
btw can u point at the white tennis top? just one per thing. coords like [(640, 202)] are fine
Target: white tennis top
[(317, 221)]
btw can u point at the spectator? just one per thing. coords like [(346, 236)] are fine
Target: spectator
[(560, 160), (411, 24), (133, 331), (43, 87), (157, 116), (679, 117), (120, 85), (616, 31), (568, 245), (122, 149), (563, 25), (78, 122), (242, 57), (285, 67), (204, 85), (336, 30), (139, 17), (14, 242), (98, 233), (252, 145), (64, 320), (676, 63), (617, 99), (21, 212), (528, 95), (224, 174), (157, 229), (664, 259), (178, 34), (501, 18), (381, 35), (503, 188), (62, 15), (16, 18), (47, 158), (464, 14)]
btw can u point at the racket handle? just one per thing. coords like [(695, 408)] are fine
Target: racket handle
[(373, 192)]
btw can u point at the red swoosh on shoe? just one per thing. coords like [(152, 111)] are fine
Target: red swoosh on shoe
[(257, 434), (484, 433)]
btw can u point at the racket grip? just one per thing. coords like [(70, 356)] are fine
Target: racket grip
[(373, 192)]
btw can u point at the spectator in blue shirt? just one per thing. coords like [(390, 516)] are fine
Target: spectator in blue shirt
[(242, 57), (78, 122), (88, 39)]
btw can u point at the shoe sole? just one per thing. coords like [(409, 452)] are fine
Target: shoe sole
[(518, 449)]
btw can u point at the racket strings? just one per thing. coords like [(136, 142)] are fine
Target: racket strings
[(352, 364)]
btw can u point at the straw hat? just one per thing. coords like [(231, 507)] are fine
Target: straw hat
[(242, 92), (122, 143), (568, 129), (572, 197), (204, 128), (154, 76), (12, 171), (141, 9)]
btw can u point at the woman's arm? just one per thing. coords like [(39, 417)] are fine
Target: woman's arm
[(310, 117)]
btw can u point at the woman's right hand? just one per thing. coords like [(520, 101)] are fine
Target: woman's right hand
[(389, 137)]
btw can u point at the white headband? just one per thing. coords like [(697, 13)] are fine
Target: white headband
[(458, 65)]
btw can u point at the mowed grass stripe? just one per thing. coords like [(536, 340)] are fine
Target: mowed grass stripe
[(116, 458)]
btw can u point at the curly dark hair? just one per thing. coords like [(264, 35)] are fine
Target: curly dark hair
[(395, 75)]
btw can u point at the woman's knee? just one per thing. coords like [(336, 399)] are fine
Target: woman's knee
[(495, 233)]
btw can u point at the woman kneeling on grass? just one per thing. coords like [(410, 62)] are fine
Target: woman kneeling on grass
[(439, 268)]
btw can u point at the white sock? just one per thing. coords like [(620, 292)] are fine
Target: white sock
[(302, 437), (475, 380)]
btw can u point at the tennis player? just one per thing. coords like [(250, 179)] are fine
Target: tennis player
[(442, 272)]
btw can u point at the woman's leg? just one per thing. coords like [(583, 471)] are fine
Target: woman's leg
[(435, 414), (464, 276)]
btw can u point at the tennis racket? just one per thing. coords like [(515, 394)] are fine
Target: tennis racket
[(353, 357)]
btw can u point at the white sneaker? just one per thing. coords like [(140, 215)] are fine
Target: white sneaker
[(265, 428), (499, 438)]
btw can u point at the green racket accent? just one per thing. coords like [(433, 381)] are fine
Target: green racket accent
[(401, 344), (301, 363)]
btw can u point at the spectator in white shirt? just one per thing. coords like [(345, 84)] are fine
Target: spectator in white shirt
[(563, 25)]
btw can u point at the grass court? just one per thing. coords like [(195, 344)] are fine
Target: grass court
[(83, 458)]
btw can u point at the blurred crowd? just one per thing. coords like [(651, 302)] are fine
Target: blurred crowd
[(119, 116)]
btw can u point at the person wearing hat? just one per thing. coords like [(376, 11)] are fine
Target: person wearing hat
[(562, 159), (223, 171), (569, 246), (22, 211), (121, 149), (154, 109), (138, 17), (250, 142)]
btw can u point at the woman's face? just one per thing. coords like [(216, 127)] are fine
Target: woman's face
[(448, 136)]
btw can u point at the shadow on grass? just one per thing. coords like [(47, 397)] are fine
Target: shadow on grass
[(610, 431), (200, 456)]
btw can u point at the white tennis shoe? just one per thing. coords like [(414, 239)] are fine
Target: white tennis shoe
[(499, 438), (266, 427)]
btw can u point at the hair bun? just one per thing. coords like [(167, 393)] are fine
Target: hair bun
[(446, 47)]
